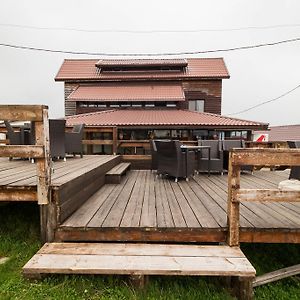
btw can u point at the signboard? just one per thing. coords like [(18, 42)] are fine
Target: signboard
[(261, 137)]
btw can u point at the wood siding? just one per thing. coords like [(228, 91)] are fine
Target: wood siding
[(210, 91), (70, 106)]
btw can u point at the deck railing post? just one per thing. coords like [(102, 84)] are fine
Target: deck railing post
[(43, 164), (233, 205)]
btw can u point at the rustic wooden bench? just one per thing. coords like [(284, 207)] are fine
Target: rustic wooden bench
[(114, 175)]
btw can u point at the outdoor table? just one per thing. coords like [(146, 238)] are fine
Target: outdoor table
[(198, 148)]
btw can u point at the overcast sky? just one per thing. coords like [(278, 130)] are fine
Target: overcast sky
[(257, 75)]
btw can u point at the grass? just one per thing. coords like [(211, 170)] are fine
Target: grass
[(19, 240)]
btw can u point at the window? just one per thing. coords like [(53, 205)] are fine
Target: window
[(196, 105)]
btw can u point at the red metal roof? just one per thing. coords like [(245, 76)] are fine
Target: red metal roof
[(129, 92), (152, 118), (283, 133), (85, 69), (141, 62)]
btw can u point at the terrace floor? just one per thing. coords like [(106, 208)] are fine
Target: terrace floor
[(149, 209)]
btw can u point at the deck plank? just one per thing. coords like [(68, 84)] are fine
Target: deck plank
[(148, 217)]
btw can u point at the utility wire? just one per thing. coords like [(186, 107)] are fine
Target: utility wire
[(150, 31), (151, 54), (265, 102)]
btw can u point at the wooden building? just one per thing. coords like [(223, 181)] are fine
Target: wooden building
[(125, 103), (93, 85)]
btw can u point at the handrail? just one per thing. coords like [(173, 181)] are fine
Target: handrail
[(40, 151), (256, 157)]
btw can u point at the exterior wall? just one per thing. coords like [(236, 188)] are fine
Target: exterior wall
[(70, 106), (208, 90)]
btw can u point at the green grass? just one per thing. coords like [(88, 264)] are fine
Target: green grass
[(19, 240)]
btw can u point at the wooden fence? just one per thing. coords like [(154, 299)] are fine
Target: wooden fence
[(255, 157), (39, 151)]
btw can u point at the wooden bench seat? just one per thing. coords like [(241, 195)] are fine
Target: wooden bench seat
[(114, 175)]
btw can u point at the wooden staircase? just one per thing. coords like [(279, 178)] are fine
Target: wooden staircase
[(142, 259)]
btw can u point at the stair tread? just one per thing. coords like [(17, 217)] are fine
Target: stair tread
[(119, 169), (145, 259)]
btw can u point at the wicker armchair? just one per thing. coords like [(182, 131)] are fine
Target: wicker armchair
[(216, 156), (295, 171), (230, 144), (15, 138), (173, 161), (73, 140), (57, 138)]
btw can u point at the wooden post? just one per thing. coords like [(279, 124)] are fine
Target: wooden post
[(242, 287), (233, 206), (43, 174), (43, 164), (115, 140)]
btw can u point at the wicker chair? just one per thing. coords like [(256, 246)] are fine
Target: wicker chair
[(73, 140), (57, 138), (216, 156), (174, 162), (153, 152), (295, 171), (230, 144), (15, 138)]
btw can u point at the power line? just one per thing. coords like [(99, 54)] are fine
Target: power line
[(265, 102), (151, 54), (152, 30)]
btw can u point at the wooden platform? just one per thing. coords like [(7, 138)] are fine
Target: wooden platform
[(138, 259), (143, 208)]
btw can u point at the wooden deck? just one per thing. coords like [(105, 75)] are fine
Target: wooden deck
[(146, 208), (21, 173)]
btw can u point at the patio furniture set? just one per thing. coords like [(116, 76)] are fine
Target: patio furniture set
[(61, 142), (170, 157)]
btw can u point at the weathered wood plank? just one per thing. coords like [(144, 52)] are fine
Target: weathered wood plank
[(276, 275), (265, 157), (23, 151), (267, 195), (22, 112), (18, 195), (141, 249)]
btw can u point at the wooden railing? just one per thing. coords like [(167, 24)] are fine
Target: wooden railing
[(39, 151), (255, 157)]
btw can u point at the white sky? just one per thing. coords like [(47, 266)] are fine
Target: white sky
[(257, 75)]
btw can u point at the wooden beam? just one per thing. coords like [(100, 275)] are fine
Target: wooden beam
[(23, 151), (22, 112), (276, 275), (265, 157), (97, 142), (136, 157), (115, 140), (267, 195), (18, 195)]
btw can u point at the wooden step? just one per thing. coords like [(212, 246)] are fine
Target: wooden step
[(114, 175), (138, 259)]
